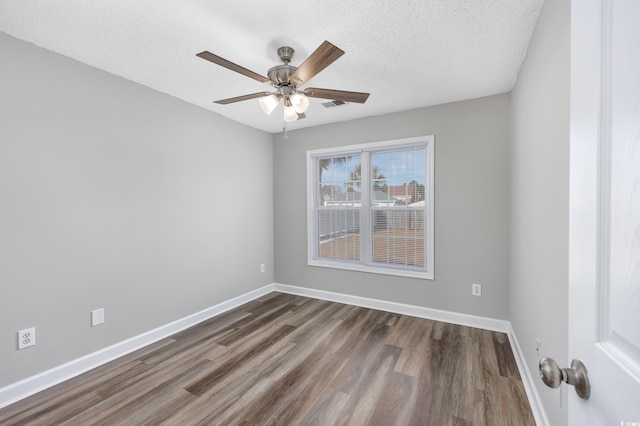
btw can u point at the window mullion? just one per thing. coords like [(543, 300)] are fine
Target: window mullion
[(365, 210)]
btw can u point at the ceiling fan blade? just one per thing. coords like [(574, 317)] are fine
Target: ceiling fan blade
[(233, 67), (242, 98), (321, 58), (336, 95)]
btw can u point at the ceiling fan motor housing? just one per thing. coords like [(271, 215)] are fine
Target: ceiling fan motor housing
[(280, 74)]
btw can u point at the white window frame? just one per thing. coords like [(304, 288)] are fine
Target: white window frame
[(312, 235)]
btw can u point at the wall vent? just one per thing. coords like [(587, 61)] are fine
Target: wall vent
[(332, 104)]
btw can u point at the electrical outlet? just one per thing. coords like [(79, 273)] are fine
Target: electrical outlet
[(26, 338), (262, 267), (476, 289), (97, 317)]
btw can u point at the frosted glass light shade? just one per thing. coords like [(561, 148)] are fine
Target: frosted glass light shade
[(268, 103), (290, 114), (300, 102)]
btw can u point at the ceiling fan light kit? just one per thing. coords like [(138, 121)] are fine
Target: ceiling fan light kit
[(300, 103), (290, 113), (268, 103), (287, 79)]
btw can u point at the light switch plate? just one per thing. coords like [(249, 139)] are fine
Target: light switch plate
[(97, 317), (476, 289)]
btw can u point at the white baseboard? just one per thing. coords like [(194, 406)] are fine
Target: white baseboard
[(400, 308), (31, 385), (539, 414), (34, 384)]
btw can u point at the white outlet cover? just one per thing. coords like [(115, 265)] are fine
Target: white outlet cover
[(26, 338), (97, 317), (476, 289)]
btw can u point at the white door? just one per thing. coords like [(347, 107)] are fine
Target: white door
[(604, 253)]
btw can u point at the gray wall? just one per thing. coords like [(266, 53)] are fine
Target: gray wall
[(538, 296), (113, 195), (471, 199)]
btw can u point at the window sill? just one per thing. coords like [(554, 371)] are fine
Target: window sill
[(371, 269)]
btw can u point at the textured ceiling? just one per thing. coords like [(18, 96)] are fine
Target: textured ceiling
[(406, 53)]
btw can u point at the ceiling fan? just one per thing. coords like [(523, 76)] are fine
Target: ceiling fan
[(287, 79)]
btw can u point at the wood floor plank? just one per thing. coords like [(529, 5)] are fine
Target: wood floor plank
[(488, 362), (112, 407), (426, 406), (250, 325), (414, 341), (371, 390), (290, 360), (201, 386), (213, 326), (52, 415), (506, 361), (392, 407), (223, 395), (327, 408), (362, 357), (294, 382), (84, 383), (60, 395), (308, 399), (454, 378)]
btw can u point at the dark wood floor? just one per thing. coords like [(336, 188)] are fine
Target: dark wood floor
[(290, 360)]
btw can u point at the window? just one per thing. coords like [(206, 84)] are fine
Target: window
[(370, 207)]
